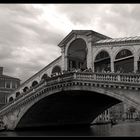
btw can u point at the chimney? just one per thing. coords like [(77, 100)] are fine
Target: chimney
[(1, 70)]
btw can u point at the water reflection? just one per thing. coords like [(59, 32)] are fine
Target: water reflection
[(124, 129), (51, 132), (101, 130)]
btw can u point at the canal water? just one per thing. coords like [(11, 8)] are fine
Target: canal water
[(107, 130)]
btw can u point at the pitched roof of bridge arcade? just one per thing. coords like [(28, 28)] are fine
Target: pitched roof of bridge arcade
[(119, 40), (81, 32), (103, 38)]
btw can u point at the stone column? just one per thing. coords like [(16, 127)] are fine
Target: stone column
[(135, 63), (89, 54), (112, 65), (65, 62), (63, 58), (10, 84)]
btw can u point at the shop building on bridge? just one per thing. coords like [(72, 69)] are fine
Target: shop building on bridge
[(87, 49)]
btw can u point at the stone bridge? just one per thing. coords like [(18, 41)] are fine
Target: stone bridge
[(78, 97), (72, 98)]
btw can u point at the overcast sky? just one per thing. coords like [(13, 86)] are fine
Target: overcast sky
[(30, 33)]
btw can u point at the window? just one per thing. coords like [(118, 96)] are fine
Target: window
[(102, 55), (7, 84), (14, 85), (123, 53)]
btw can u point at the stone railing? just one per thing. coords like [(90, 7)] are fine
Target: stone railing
[(88, 76), (110, 77)]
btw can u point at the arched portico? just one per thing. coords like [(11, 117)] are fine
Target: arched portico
[(102, 62), (77, 55), (56, 70), (124, 61)]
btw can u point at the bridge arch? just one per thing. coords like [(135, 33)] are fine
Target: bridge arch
[(102, 61), (77, 54), (124, 61), (117, 97)]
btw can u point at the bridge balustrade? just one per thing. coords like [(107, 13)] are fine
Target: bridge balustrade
[(110, 77), (130, 78)]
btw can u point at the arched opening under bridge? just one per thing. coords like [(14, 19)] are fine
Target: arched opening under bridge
[(66, 108)]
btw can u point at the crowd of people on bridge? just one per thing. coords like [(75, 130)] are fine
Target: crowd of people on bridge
[(89, 70), (72, 70)]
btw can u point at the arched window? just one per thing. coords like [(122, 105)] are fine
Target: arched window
[(56, 69), (34, 83), (77, 55), (123, 53), (25, 89), (45, 77), (102, 62), (17, 94), (124, 61), (101, 56), (11, 99)]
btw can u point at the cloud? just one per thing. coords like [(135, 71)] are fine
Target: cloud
[(25, 41), (114, 20), (30, 33), (79, 13)]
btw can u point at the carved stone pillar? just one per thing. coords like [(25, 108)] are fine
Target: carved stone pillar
[(112, 65), (135, 63)]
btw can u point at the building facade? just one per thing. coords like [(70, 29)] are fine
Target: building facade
[(7, 85), (118, 113)]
